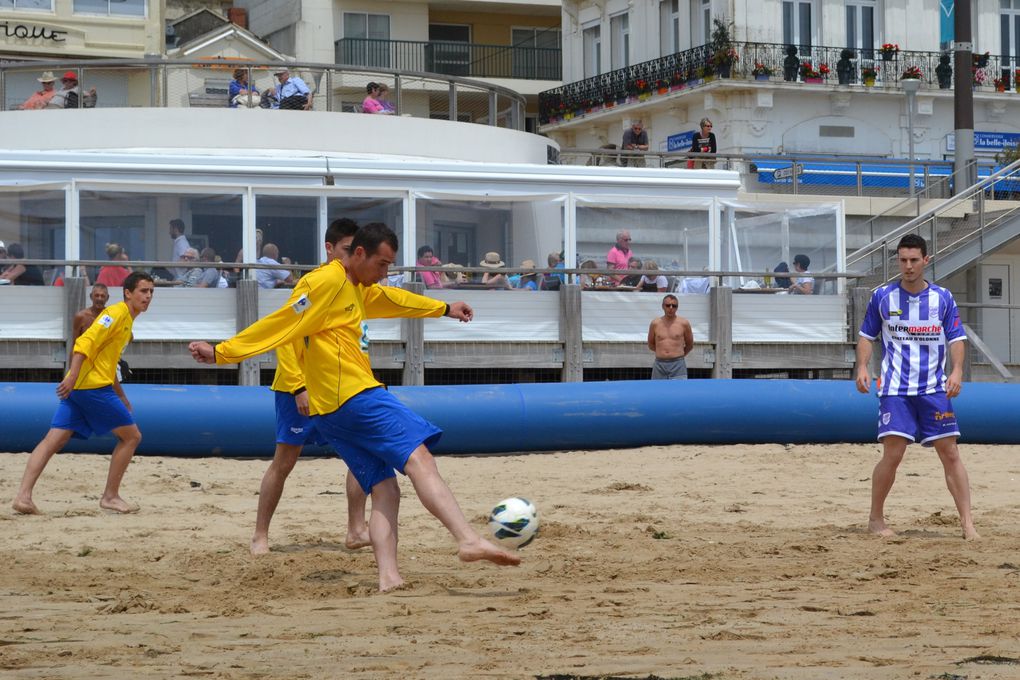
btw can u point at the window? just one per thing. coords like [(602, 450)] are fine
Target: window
[(536, 53), (449, 50), (669, 27), (366, 40), (706, 22), (1009, 25), (28, 5), (619, 31), (592, 39), (860, 27), (798, 27), (113, 8)]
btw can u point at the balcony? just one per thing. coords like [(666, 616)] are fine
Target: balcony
[(466, 60), (817, 65)]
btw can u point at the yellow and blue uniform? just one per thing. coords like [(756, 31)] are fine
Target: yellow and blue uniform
[(291, 426), (93, 407), (372, 430), (331, 311)]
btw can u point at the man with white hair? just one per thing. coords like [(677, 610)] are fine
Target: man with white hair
[(193, 273), (291, 92), (272, 278)]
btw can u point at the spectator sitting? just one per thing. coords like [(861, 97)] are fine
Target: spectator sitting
[(426, 258), (69, 97), (375, 101), (782, 281), (192, 272), (241, 93), (492, 279), (619, 254), (240, 253), (454, 277), (652, 283), (17, 274), (41, 99), (528, 279), (272, 278), (211, 276), (291, 93), (632, 280), (551, 281), (803, 285), (593, 280), (113, 275)]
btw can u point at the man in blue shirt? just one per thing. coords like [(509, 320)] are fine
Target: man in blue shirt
[(291, 93), (919, 325)]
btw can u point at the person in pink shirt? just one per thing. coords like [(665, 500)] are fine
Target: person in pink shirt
[(374, 101), (114, 275), (619, 255), (40, 99), (426, 258)]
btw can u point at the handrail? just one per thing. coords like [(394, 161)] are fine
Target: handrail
[(160, 69), (966, 194)]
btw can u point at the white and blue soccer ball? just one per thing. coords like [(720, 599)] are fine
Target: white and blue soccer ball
[(514, 522)]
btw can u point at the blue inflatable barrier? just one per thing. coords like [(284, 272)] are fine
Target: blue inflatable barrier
[(198, 420)]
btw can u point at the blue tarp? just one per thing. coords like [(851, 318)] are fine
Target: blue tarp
[(872, 174)]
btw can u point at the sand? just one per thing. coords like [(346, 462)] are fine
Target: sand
[(680, 562)]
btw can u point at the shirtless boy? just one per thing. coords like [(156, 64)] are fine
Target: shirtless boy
[(671, 338)]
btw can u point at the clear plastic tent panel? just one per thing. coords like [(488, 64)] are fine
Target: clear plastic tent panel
[(35, 221), (762, 240), (674, 238)]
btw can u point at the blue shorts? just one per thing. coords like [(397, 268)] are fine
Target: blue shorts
[(292, 427), (89, 412), (926, 417), (375, 435)]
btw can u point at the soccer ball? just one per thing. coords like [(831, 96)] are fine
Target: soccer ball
[(514, 522)]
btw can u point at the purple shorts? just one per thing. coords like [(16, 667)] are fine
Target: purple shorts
[(923, 418)]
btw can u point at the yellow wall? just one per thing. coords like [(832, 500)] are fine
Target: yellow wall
[(493, 29)]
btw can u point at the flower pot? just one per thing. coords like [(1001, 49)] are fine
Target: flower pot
[(945, 83), (631, 98), (869, 81), (1000, 88), (674, 88), (813, 81), (888, 56), (693, 82), (568, 116), (663, 90), (709, 77), (761, 77), (644, 96), (609, 104), (621, 100), (723, 70)]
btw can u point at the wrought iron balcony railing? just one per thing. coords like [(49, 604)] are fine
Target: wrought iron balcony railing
[(769, 61), (469, 60)]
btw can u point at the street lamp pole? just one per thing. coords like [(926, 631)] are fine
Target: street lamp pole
[(911, 86)]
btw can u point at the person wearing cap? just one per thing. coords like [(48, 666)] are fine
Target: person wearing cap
[(68, 96), (528, 279), (41, 99), (492, 279), (803, 284), (291, 92)]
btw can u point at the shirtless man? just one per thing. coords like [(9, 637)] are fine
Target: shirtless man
[(100, 295), (671, 338)]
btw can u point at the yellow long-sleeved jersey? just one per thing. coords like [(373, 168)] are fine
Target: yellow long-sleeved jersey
[(331, 311), (290, 375), (102, 344)]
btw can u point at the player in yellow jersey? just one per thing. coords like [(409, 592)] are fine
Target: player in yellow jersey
[(373, 431), (91, 401), (294, 427)]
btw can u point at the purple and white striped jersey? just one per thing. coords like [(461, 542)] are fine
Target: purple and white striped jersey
[(916, 333)]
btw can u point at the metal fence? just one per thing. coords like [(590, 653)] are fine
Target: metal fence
[(771, 61), (207, 83), (469, 60)]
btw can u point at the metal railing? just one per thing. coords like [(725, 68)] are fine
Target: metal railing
[(798, 174), (469, 60), (949, 225), (768, 61), (156, 83)]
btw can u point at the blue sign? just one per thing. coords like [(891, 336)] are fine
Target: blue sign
[(987, 141), (681, 141), (947, 20)]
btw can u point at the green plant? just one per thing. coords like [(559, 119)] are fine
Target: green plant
[(912, 73), (869, 72), (761, 69), (721, 45)]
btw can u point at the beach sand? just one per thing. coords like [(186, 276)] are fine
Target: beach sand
[(682, 562)]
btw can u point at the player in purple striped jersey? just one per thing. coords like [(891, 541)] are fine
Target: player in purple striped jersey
[(918, 322)]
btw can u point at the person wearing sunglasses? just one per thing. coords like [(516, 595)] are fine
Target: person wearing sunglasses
[(703, 142), (671, 339)]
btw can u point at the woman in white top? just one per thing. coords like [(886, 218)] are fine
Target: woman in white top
[(652, 283)]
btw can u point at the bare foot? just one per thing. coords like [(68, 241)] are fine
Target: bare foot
[(878, 527), (970, 534), (117, 504), (25, 506), (357, 539), (386, 585), (483, 550), (259, 545)]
